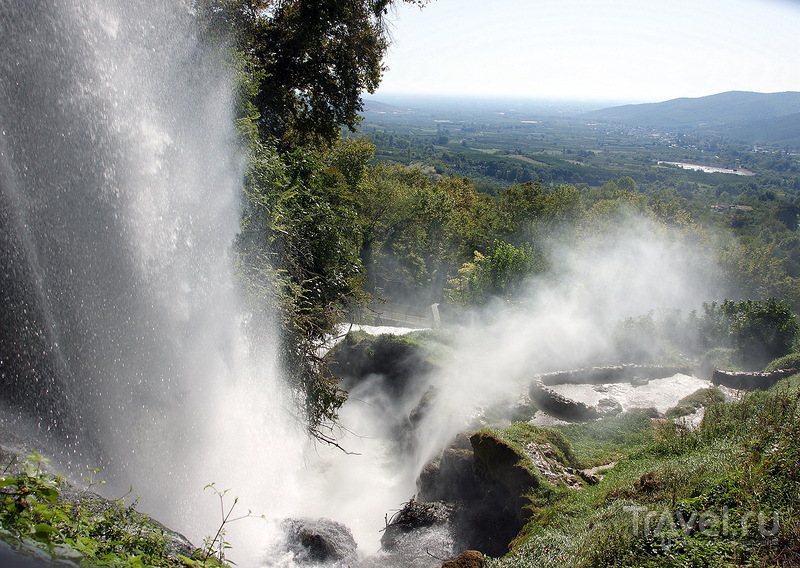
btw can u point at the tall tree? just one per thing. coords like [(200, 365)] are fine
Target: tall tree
[(316, 58)]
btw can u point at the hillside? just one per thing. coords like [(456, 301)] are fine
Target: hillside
[(714, 110), (782, 130), (371, 105)]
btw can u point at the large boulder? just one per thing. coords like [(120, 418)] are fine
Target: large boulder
[(413, 516), (486, 481), (450, 477), (399, 359), (314, 541)]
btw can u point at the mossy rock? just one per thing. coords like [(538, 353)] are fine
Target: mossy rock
[(399, 358), (513, 486), (505, 465), (520, 434), (467, 559)]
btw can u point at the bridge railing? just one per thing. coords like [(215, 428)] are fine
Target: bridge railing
[(404, 316)]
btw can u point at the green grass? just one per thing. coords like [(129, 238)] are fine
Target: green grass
[(683, 497), (690, 403), (609, 439)]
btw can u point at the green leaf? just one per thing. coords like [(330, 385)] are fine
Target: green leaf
[(5, 481), (36, 457), (49, 494)]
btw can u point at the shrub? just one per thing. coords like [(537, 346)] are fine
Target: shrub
[(790, 361)]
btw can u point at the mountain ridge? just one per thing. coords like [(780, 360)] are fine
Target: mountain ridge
[(758, 118), (722, 108)]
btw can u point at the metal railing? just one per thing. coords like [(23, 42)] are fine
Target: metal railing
[(405, 316)]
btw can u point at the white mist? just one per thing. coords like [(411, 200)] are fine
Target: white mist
[(122, 172)]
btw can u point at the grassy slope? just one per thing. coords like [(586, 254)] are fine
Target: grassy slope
[(679, 497)]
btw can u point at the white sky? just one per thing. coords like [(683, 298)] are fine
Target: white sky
[(622, 50)]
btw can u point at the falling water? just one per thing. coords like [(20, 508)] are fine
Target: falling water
[(121, 340)]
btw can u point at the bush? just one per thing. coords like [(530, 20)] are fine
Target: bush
[(790, 361), (38, 517), (757, 331)]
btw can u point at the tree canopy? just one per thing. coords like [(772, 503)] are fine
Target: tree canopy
[(314, 58)]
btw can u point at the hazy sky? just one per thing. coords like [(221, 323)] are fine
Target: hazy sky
[(624, 50)]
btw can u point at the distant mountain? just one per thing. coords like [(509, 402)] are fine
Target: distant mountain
[(371, 105), (713, 110), (763, 118)]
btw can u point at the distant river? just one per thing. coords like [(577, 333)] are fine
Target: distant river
[(709, 169)]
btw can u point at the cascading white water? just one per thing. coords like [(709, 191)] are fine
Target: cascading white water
[(121, 331)]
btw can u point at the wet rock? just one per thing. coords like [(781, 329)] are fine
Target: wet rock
[(467, 559), (472, 495), (560, 406), (319, 540), (451, 477), (486, 488), (501, 463), (612, 374), (402, 362), (491, 521), (414, 515), (750, 381), (608, 407), (423, 407)]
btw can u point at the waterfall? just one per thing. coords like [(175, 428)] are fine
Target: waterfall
[(121, 331)]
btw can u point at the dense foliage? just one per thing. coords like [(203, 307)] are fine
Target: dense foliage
[(42, 517), (301, 67), (747, 334), (314, 58)]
